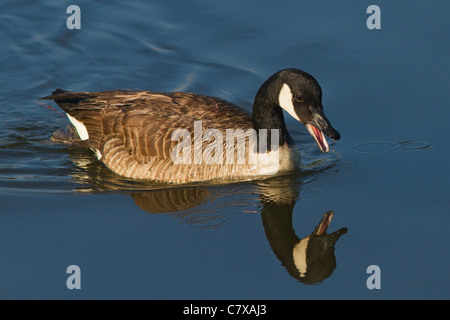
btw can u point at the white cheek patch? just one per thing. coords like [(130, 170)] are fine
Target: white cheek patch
[(81, 129), (285, 101)]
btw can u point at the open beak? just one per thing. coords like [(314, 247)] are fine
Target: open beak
[(322, 227), (319, 126)]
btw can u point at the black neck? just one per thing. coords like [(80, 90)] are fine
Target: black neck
[(267, 114)]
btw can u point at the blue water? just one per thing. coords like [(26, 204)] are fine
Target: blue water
[(387, 179)]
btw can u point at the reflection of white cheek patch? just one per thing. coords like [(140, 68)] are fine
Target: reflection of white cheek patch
[(81, 129), (299, 255), (285, 101)]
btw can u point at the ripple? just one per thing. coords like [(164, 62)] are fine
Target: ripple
[(208, 222), (374, 147), (313, 193), (344, 170), (308, 179), (377, 147), (416, 145), (314, 161)]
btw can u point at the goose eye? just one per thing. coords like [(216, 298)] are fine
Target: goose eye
[(299, 97)]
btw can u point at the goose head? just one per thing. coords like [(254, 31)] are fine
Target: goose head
[(300, 95)]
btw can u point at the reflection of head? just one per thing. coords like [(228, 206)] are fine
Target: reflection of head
[(314, 256), (310, 259)]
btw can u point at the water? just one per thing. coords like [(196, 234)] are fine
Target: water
[(386, 91)]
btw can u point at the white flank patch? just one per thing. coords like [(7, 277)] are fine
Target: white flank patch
[(268, 163), (98, 154), (285, 101), (280, 159), (299, 255), (81, 129)]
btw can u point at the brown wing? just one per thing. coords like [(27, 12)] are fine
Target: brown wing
[(132, 130)]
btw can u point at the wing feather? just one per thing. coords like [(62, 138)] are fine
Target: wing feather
[(133, 129)]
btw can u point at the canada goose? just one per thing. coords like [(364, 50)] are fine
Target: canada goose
[(132, 132)]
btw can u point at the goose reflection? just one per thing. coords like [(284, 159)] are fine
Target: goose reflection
[(309, 259)]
